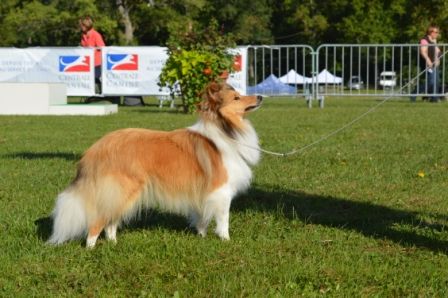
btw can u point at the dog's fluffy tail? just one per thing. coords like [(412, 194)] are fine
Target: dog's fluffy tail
[(69, 218)]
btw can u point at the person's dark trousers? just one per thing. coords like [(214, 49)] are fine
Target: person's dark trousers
[(98, 79), (430, 86), (98, 89), (433, 84)]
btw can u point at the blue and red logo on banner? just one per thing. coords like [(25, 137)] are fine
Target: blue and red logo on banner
[(74, 63), (122, 62)]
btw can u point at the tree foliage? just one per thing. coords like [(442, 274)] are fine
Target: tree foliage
[(27, 23), (371, 21)]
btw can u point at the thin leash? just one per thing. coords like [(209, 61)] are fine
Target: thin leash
[(342, 128)]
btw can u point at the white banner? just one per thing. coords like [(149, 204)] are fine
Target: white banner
[(125, 70), (136, 70), (72, 66), (132, 70)]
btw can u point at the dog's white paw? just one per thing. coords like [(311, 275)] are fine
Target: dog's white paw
[(224, 235), (202, 232)]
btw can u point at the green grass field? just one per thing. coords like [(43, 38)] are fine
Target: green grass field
[(364, 213)]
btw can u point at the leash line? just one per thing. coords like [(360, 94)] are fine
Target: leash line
[(342, 128)]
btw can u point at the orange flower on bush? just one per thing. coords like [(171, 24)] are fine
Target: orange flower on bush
[(207, 71)]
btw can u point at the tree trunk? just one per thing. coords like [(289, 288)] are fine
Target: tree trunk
[(123, 9)]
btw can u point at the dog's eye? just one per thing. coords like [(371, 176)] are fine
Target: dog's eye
[(237, 98)]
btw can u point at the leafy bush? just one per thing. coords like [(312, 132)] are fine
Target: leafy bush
[(196, 57)]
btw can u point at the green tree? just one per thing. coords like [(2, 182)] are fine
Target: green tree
[(50, 23), (141, 22), (154, 20), (373, 21), (303, 22), (248, 21), (29, 24), (421, 14)]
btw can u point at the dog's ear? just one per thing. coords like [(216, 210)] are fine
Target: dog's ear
[(210, 97), (212, 91)]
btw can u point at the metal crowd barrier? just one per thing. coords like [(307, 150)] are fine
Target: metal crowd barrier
[(379, 70)]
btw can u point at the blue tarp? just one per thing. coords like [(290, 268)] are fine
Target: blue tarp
[(271, 86)]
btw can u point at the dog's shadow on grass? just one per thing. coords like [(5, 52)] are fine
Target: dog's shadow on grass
[(157, 111), (407, 228), (43, 227), (44, 155)]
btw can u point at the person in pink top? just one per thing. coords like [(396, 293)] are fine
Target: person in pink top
[(92, 38), (429, 55)]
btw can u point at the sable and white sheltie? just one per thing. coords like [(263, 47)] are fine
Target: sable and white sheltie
[(193, 172)]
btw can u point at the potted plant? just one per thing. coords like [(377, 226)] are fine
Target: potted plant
[(196, 57)]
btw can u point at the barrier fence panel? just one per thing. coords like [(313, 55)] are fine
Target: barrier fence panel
[(280, 70), (380, 70)]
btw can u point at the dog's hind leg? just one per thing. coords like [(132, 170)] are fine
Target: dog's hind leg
[(201, 226), (111, 231), (199, 222), (94, 232)]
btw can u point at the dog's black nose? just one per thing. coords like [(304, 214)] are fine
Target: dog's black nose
[(259, 98)]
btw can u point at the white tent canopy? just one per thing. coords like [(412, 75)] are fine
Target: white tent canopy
[(325, 77), (292, 77)]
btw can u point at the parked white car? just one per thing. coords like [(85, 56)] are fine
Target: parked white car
[(388, 79), (355, 83)]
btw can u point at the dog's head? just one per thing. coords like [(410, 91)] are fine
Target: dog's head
[(222, 103)]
